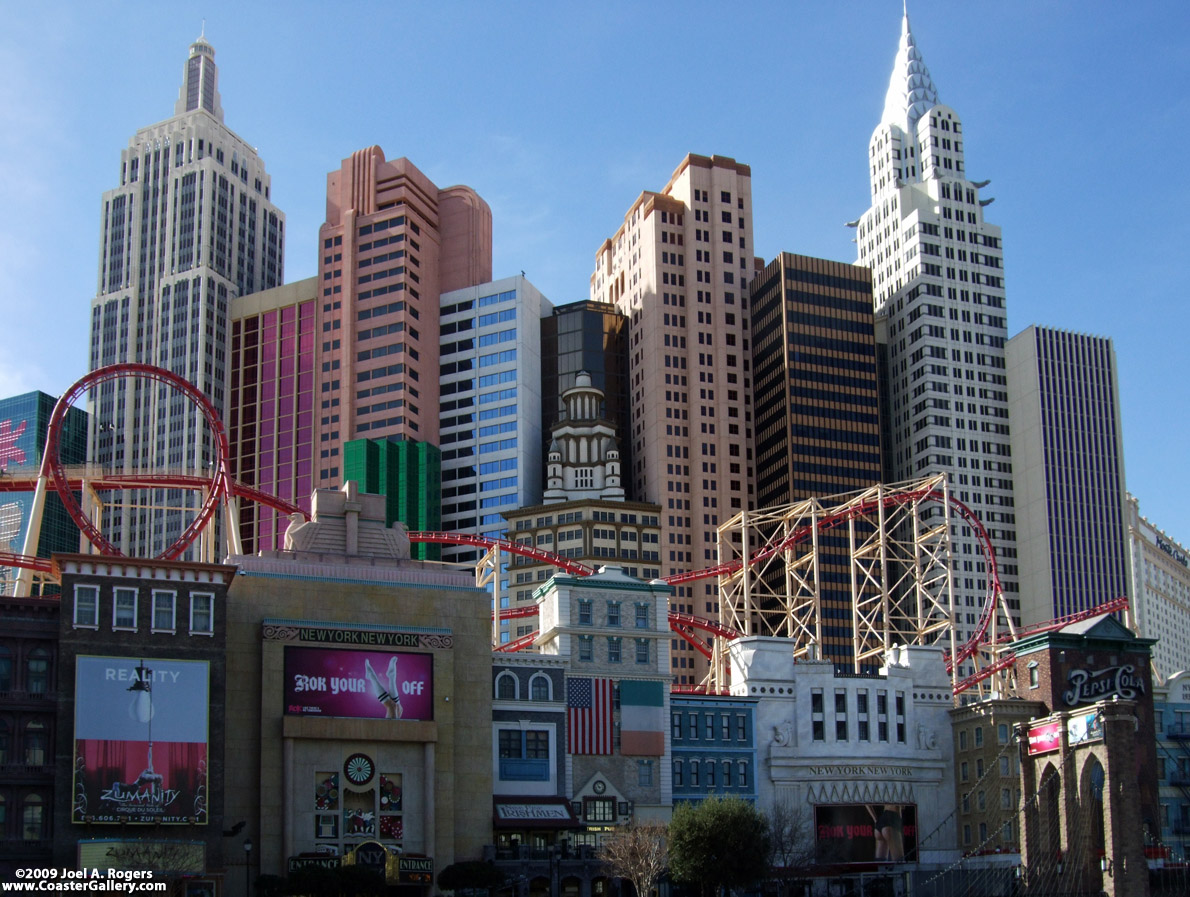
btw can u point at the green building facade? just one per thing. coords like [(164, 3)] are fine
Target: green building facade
[(409, 476)]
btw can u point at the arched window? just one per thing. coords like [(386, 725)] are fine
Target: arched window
[(36, 743), (5, 669), (37, 672), (539, 688), (506, 687), (33, 819)]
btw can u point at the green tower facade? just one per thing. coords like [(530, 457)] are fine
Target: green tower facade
[(409, 476)]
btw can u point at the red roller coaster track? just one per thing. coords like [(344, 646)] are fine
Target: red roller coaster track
[(221, 486)]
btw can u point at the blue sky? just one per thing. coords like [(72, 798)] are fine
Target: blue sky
[(559, 114)]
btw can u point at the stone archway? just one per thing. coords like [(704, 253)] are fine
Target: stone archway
[(1079, 809)]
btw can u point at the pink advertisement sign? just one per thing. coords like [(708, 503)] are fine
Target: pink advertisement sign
[(1045, 738), (358, 684)]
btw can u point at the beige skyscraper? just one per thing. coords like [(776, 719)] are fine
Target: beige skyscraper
[(190, 227), (679, 267)]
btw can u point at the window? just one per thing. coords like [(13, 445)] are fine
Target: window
[(86, 607), (36, 744), (644, 772), (642, 650), (202, 614), (678, 772), (642, 616), (584, 612), (742, 768), (979, 736), (613, 613), (817, 724), (676, 725), (37, 672), (33, 819), (962, 739), (1002, 733), (163, 611), (599, 809), (524, 755), (506, 687), (539, 688), (1034, 676), (5, 669), (5, 747), (613, 649), (124, 609)]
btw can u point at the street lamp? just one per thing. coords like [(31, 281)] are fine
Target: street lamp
[(247, 867)]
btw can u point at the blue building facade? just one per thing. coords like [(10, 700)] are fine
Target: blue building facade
[(24, 420), (713, 747)]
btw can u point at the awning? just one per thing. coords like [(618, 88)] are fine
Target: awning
[(533, 812)]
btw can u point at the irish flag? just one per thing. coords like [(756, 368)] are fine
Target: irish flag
[(642, 718)]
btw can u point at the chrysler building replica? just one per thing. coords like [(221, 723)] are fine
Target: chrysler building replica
[(938, 288), (189, 227)]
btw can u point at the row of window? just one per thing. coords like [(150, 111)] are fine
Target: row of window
[(125, 610), (33, 748), (586, 614), (691, 726), (615, 649), (508, 688), (36, 672), (32, 821), (703, 773)]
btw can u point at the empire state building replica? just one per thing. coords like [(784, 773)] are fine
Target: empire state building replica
[(190, 226)]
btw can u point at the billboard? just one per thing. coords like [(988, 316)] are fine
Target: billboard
[(1080, 728), (865, 833), (358, 684), (1045, 738), (140, 740)]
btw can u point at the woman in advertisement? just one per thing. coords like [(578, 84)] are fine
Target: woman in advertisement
[(888, 828)]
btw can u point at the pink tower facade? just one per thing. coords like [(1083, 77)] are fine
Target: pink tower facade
[(392, 243)]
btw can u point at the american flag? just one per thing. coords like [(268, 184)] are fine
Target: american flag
[(589, 716)]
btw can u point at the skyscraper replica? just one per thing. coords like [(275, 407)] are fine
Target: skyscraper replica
[(679, 268), (584, 515), (816, 400), (392, 243), (1068, 454), (189, 227), (490, 410), (938, 284)]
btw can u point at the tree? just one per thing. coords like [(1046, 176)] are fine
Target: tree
[(791, 831), (638, 853), (722, 842)]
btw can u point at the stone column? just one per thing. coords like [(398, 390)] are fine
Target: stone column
[(1123, 834)]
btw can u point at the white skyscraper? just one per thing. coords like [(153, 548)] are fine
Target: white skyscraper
[(938, 282), (490, 407), (190, 226)]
